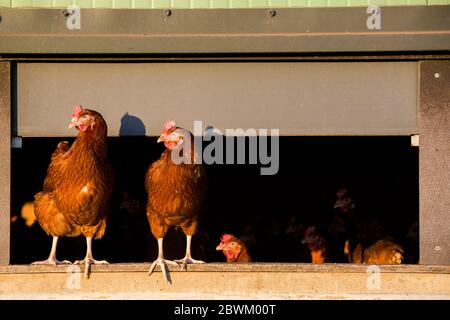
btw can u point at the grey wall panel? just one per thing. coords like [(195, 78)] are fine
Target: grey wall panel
[(434, 161), (5, 161), (291, 30), (338, 98)]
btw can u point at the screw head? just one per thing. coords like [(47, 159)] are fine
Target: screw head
[(167, 12), (272, 13), (65, 13), (437, 75), (437, 248)]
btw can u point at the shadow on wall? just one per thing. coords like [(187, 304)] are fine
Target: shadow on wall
[(131, 126)]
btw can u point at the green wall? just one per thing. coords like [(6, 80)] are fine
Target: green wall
[(212, 3)]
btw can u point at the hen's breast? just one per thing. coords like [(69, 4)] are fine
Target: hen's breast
[(176, 192), (84, 190)]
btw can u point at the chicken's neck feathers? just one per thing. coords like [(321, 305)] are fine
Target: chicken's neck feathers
[(89, 146)]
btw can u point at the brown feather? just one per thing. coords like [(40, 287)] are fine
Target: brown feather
[(383, 251), (243, 254), (78, 185), (175, 195)]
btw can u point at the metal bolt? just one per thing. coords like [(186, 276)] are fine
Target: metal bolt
[(65, 13), (167, 12), (437, 75), (437, 248), (272, 13)]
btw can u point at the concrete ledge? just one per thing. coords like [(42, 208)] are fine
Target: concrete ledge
[(237, 267), (227, 281)]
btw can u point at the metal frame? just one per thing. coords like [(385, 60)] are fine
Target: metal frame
[(216, 31), (434, 162), (5, 160), (291, 34)]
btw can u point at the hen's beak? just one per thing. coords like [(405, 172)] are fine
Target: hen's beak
[(73, 123), (337, 205), (162, 138), (220, 247)]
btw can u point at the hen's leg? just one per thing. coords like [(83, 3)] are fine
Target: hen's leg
[(52, 257), (162, 263), (89, 260), (188, 258)]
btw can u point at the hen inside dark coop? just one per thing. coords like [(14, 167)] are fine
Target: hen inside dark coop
[(334, 199)]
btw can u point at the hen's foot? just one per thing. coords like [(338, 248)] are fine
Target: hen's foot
[(188, 260), (51, 262), (88, 262), (162, 263), (91, 261)]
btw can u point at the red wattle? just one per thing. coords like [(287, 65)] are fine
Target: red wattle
[(82, 127), (170, 144)]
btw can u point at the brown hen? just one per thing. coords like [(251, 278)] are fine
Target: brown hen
[(234, 249), (78, 186), (317, 244), (383, 251), (176, 187)]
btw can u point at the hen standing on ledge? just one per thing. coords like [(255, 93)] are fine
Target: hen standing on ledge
[(78, 186), (175, 193)]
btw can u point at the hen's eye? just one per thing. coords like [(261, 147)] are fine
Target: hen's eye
[(174, 136)]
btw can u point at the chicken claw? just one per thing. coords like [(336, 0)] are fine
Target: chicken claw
[(88, 262), (51, 262), (188, 257), (188, 260), (162, 263)]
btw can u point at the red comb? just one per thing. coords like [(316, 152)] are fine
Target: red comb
[(77, 110), (168, 126), (225, 237)]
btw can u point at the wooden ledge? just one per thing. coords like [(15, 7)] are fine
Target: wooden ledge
[(236, 267), (227, 281)]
